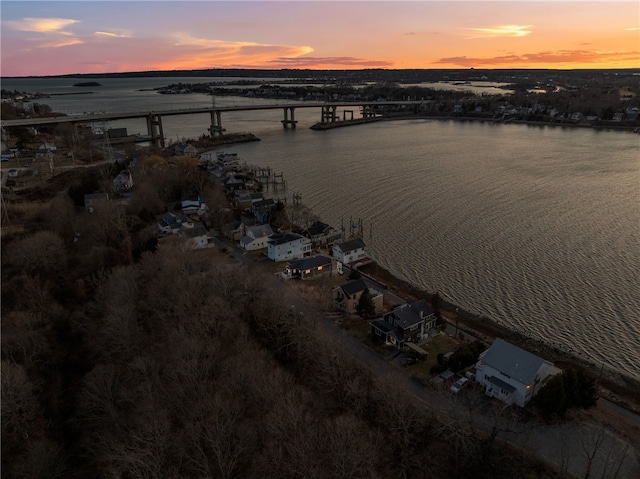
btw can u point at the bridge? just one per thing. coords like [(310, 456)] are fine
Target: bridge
[(155, 131)]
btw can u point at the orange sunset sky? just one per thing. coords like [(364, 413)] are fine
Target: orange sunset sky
[(53, 37)]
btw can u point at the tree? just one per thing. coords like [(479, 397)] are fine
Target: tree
[(366, 308)]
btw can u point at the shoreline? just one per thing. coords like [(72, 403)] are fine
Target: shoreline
[(614, 386), (361, 121)]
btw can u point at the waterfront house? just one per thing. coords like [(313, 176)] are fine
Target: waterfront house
[(321, 234), (407, 323), (244, 199), (256, 237), (287, 246), (350, 252), (310, 267), (512, 374), (347, 296)]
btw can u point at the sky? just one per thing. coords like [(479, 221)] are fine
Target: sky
[(41, 38)]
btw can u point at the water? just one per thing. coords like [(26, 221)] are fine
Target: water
[(537, 228)]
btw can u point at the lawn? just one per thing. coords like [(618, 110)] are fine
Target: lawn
[(440, 344)]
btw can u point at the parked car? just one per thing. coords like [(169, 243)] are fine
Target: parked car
[(459, 385)]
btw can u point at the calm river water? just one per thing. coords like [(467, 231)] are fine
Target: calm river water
[(537, 228)]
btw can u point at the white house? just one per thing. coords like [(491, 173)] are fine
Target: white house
[(512, 374), (350, 252), (287, 246), (195, 236), (256, 237)]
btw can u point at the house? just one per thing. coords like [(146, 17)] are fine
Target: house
[(512, 374), (194, 205), (347, 296), (195, 236), (170, 223), (123, 182), (409, 322), (185, 149), (256, 237), (310, 267), (350, 252), (234, 230), (93, 200), (245, 199), (234, 183), (321, 234), (287, 246)]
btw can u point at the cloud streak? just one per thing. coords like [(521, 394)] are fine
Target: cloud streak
[(501, 31), (562, 57), (40, 25)]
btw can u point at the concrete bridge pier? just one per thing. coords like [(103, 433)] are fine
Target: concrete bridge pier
[(329, 114), (154, 129), (216, 124), (289, 121), (368, 112)]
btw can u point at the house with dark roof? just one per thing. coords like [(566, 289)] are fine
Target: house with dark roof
[(347, 296), (512, 374), (170, 222), (310, 267), (287, 246), (408, 323), (322, 234)]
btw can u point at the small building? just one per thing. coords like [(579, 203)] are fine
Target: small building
[(409, 322), (310, 267), (512, 374), (256, 237), (350, 252), (287, 246), (346, 297)]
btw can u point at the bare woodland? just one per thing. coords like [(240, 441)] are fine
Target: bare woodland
[(120, 360)]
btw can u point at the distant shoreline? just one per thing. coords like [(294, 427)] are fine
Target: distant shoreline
[(361, 121)]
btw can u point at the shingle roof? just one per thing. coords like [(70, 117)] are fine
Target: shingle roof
[(513, 361), (280, 238), (310, 262), (354, 286), (351, 245)]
